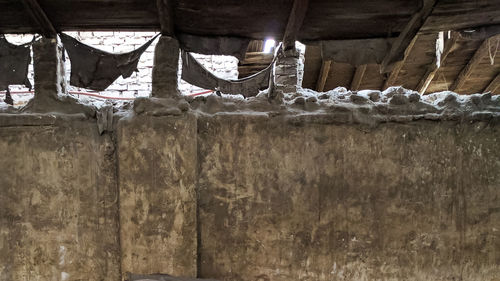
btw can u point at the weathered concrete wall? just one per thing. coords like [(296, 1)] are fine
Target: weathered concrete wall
[(240, 196), (417, 201), (58, 200), (157, 174)]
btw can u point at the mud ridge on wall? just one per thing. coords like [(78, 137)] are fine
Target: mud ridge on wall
[(341, 106), (338, 106)]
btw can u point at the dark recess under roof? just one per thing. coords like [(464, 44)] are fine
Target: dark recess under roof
[(257, 19)]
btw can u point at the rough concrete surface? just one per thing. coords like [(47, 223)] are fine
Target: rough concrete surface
[(415, 201), (49, 69), (157, 175), (58, 200), (347, 186), (165, 67)]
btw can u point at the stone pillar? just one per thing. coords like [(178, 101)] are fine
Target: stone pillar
[(49, 69), (165, 67), (287, 71)]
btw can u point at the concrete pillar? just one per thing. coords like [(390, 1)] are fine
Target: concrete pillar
[(287, 71), (49, 69), (165, 67)]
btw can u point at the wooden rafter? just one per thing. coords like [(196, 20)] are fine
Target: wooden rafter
[(393, 76), (449, 46), (358, 77), (494, 85), (465, 73), (166, 16), (297, 15), (323, 75), (38, 15), (408, 34)]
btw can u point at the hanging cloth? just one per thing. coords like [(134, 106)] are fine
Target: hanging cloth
[(196, 74), (14, 62), (95, 69)]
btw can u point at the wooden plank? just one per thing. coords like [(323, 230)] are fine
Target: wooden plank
[(340, 76), (257, 58), (462, 14), (323, 75), (464, 74), (255, 46), (38, 15), (325, 20), (373, 79), (407, 36), (166, 16), (393, 76), (312, 66), (449, 46), (253, 63), (494, 85), (295, 20), (358, 77)]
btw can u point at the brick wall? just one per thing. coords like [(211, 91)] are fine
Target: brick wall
[(139, 84)]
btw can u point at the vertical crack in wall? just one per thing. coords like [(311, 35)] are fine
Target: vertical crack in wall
[(114, 138), (196, 189)]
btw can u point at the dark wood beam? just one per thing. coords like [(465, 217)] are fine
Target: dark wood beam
[(323, 75), (36, 12), (449, 46), (407, 36), (358, 77), (494, 85), (465, 73), (295, 20), (166, 16), (462, 14), (393, 76), (481, 33)]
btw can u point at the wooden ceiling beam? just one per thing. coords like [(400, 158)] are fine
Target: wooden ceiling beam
[(407, 36), (449, 46), (465, 73), (166, 16), (36, 12), (393, 76), (358, 77), (481, 33), (295, 20), (494, 85), (323, 75)]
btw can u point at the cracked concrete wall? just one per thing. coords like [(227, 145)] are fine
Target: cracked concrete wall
[(248, 197)]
